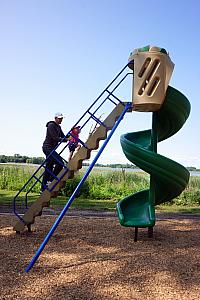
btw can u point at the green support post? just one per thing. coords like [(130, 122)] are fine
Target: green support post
[(154, 141)]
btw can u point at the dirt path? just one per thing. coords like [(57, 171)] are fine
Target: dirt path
[(95, 258)]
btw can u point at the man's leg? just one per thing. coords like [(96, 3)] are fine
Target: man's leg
[(48, 168), (58, 162)]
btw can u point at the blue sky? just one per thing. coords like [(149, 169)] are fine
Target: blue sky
[(59, 56)]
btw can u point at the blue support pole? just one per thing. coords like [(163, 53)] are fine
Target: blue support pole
[(58, 220)]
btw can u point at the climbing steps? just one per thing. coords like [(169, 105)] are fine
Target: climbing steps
[(92, 143)]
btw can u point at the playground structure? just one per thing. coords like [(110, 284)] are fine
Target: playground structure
[(151, 69)]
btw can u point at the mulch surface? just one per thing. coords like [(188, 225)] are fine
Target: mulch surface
[(91, 257)]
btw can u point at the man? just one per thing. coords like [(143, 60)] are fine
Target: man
[(54, 135)]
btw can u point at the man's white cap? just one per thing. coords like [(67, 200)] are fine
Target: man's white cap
[(59, 115)]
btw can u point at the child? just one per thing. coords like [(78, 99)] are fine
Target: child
[(73, 142)]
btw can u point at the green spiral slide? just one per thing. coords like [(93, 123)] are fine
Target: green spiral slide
[(168, 178)]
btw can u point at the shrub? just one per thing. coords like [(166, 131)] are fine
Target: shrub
[(105, 185), (109, 185), (13, 177)]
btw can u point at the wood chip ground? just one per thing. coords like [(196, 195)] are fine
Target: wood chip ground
[(96, 258)]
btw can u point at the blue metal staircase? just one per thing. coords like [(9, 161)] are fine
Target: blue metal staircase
[(25, 212)]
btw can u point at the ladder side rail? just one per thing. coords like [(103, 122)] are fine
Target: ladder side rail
[(107, 98), (101, 105), (34, 176), (79, 140), (38, 179), (97, 120), (58, 220), (115, 78), (65, 146), (112, 101), (30, 189), (61, 163), (59, 179), (90, 117), (62, 140), (129, 73), (23, 187), (16, 196)]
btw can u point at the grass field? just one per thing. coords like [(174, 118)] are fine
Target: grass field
[(6, 198), (102, 189)]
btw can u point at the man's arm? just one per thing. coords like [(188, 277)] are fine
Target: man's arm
[(63, 135)]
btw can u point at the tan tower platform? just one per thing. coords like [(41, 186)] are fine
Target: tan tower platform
[(152, 68)]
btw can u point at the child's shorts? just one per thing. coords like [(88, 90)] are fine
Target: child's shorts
[(72, 146)]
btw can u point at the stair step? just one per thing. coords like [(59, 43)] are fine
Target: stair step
[(35, 209), (74, 164)]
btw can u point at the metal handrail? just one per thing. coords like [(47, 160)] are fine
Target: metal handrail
[(110, 93)]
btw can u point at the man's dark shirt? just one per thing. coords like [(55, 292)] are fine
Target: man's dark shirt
[(54, 135)]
